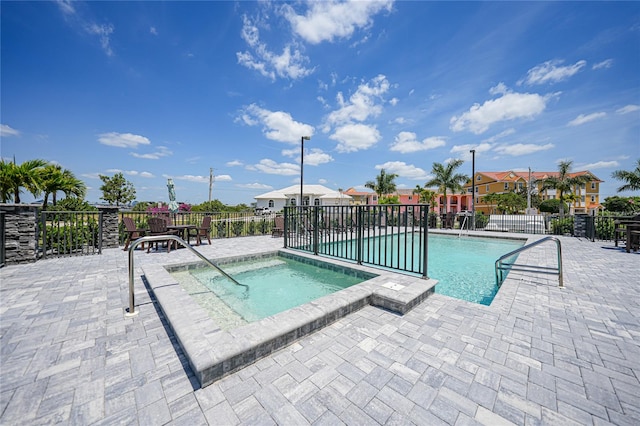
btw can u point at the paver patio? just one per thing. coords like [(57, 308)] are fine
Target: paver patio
[(538, 355)]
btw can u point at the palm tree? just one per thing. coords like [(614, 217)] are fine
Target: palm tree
[(14, 177), (445, 178), (564, 183), (632, 178), (54, 179), (384, 183), (425, 195)]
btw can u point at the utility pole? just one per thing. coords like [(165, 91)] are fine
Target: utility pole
[(210, 183), (529, 193)]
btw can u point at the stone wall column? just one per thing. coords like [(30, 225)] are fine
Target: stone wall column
[(110, 236), (20, 233)]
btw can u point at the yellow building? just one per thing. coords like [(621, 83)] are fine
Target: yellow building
[(588, 195)]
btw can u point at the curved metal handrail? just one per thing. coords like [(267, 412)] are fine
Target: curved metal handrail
[(131, 311), (500, 265)]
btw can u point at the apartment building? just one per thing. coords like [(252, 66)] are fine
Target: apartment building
[(588, 195)]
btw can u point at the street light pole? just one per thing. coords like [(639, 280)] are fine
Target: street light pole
[(302, 139), (473, 189)]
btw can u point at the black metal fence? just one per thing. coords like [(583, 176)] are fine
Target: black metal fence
[(223, 225), (62, 234), (3, 237), (389, 236)]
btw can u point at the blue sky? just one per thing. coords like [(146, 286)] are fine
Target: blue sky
[(159, 90)]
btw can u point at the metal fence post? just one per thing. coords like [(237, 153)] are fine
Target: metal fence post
[(425, 242)]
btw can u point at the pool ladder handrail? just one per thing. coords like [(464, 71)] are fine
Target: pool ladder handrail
[(500, 265), (131, 309)]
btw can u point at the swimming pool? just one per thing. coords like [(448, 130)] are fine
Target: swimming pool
[(276, 284), (463, 265)]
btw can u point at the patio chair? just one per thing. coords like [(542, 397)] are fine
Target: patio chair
[(204, 230), (278, 228), (133, 233), (158, 226)]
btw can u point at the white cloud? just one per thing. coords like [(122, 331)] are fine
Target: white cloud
[(509, 106), (581, 119), (273, 168), (288, 64), (313, 157), (162, 151), (464, 153), (604, 64), (103, 31), (66, 6), (355, 137), (277, 125), (600, 165), (153, 30), (551, 72), (500, 135), (192, 178), (147, 175), (361, 105), (317, 157), (122, 140), (255, 185), (402, 169), (627, 109), (6, 131), (522, 149), (406, 142), (328, 20), (234, 163)]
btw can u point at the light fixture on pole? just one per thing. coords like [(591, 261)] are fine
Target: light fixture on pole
[(302, 139), (473, 189)]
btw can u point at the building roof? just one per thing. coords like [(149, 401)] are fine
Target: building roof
[(293, 190), (512, 176)]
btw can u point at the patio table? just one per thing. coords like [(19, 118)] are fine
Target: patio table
[(184, 230)]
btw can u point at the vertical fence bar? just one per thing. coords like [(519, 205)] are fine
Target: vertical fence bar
[(425, 234)]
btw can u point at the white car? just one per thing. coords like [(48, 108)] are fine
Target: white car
[(263, 211)]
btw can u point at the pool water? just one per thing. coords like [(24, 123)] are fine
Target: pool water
[(276, 284), (465, 266)]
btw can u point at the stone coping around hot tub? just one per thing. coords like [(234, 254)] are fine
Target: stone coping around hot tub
[(213, 353)]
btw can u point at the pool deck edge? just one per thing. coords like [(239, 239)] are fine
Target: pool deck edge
[(214, 353)]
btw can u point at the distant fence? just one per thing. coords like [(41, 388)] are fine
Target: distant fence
[(389, 236), (223, 224), (62, 234)]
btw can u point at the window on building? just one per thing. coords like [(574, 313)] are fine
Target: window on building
[(316, 202), (410, 197), (520, 185), (593, 198), (506, 185), (582, 199), (305, 201), (292, 201), (271, 203), (478, 177), (477, 189), (593, 185), (486, 188)]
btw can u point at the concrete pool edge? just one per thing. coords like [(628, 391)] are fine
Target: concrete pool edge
[(214, 353)]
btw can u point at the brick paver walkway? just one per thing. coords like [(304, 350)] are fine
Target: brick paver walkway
[(537, 355)]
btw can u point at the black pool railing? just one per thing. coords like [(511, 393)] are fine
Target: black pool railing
[(393, 236)]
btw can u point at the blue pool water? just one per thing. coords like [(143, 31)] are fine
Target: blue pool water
[(276, 284), (464, 267)]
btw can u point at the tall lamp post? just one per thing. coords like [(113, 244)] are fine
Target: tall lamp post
[(302, 139), (473, 189)]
